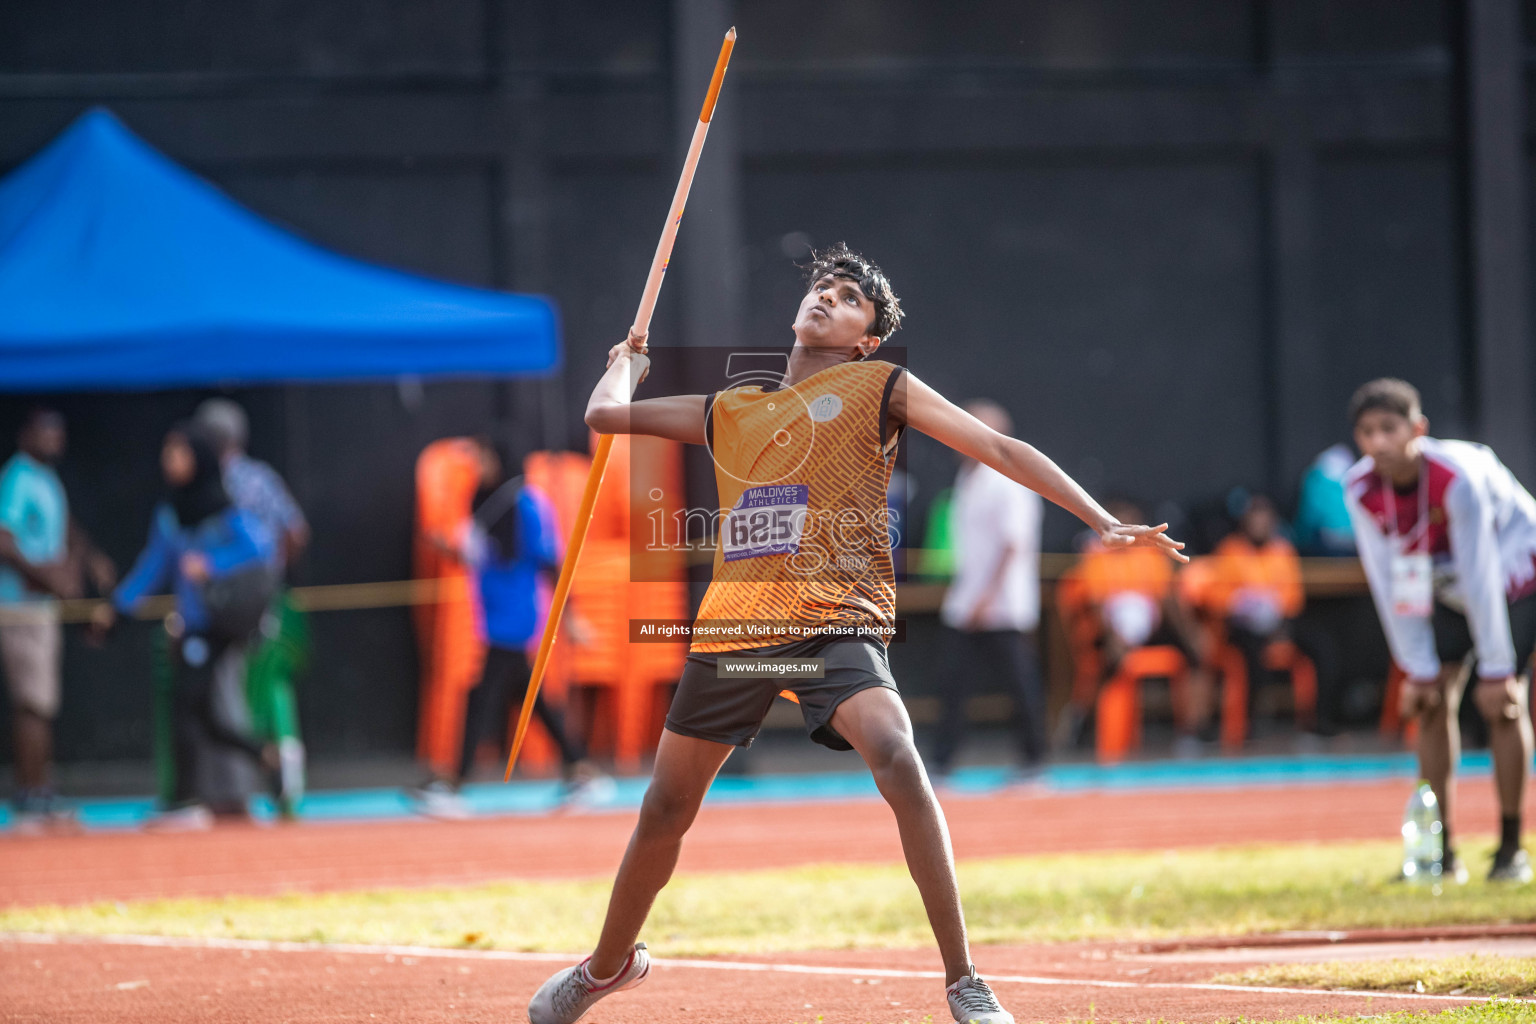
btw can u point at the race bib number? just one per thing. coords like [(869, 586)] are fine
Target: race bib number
[(1413, 585), (767, 520)]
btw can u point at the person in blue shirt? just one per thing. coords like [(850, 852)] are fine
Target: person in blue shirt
[(275, 658), (197, 537), (510, 544), (42, 554), (1322, 516)]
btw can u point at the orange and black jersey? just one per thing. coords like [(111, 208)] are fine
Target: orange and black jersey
[(805, 534)]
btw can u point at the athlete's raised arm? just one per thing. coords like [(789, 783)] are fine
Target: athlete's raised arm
[(610, 411), (924, 409)]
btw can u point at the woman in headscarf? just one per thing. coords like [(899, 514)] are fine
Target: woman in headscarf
[(198, 541)]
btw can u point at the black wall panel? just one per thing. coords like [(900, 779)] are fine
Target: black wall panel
[(1112, 309), (1076, 199), (434, 219), (1387, 284), (270, 37)]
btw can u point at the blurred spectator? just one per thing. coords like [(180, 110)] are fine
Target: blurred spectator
[(508, 543), (1130, 601), (1251, 589), (218, 561), (992, 608), (282, 645), (42, 552), (1256, 581), (937, 560), (1322, 517), (252, 484)]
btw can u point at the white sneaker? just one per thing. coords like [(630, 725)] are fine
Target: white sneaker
[(290, 753), (594, 791), (439, 799), (972, 1002), (570, 993), (191, 818)]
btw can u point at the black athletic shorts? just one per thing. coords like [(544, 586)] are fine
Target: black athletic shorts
[(709, 706), (1453, 634)]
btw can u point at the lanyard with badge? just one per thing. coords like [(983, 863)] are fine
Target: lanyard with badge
[(1413, 588)]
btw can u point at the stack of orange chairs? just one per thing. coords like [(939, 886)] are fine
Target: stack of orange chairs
[(616, 580), (644, 479)]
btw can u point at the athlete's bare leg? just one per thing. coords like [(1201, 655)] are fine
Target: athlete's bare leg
[(876, 723), (1503, 707), (33, 738), (1439, 733), (684, 769)]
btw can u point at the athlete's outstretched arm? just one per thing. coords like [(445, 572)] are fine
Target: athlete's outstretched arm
[(924, 409), (610, 411)]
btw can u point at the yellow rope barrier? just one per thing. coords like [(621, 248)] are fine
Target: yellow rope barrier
[(1321, 577)]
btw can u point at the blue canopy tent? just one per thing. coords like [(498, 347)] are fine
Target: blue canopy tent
[(121, 271)]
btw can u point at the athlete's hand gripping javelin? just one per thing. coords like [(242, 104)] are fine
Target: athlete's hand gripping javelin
[(638, 354)]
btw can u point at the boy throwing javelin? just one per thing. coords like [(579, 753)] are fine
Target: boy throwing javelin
[(803, 571), (1448, 539)]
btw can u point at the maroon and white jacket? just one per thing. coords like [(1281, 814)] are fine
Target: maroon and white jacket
[(1481, 538)]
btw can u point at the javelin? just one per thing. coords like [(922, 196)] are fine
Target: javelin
[(605, 442)]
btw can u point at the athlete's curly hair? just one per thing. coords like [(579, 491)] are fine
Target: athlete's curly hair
[(841, 261)]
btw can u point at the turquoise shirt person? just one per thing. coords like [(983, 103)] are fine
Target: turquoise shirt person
[(34, 510)]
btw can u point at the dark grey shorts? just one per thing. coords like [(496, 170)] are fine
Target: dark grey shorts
[(725, 710), (1453, 634)]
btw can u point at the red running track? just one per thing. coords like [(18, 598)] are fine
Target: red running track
[(91, 981), (86, 981), (312, 858)]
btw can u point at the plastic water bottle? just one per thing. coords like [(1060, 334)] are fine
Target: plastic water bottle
[(1423, 839)]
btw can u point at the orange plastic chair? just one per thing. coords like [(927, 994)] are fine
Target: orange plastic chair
[(1206, 584), (1392, 725), (1118, 710), (1071, 605), (1282, 656), (1117, 704), (629, 681)]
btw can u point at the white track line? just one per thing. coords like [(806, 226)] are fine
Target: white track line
[(434, 952)]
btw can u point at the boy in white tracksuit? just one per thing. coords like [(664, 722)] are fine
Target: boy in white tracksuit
[(1447, 537)]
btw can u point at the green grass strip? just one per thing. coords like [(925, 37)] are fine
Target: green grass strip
[(1472, 975), (1018, 899)]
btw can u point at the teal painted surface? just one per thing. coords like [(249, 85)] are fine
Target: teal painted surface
[(543, 797)]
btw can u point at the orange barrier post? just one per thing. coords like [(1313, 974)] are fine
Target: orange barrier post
[(447, 473)]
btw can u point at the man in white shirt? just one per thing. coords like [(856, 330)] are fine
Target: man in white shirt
[(1447, 537), (992, 608)]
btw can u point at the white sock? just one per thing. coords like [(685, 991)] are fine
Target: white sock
[(600, 982)]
